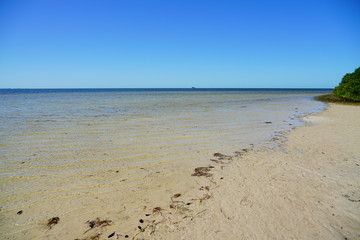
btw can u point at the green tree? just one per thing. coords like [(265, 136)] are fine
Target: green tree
[(349, 86)]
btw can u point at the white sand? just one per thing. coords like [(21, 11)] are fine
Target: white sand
[(309, 188)]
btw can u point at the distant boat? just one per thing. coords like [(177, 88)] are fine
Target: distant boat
[(193, 87)]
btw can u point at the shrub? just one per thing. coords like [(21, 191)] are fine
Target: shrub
[(349, 87)]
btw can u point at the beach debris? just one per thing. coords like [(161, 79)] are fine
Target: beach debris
[(202, 171), (98, 223), (176, 195), (152, 227), (205, 197), (221, 178), (111, 235), (19, 212), (222, 156), (174, 203), (181, 207), (157, 210), (207, 188), (52, 222), (217, 161), (268, 122), (178, 205)]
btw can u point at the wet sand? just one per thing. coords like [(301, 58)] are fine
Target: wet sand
[(308, 188)]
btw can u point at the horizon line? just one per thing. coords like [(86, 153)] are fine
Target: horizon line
[(194, 88)]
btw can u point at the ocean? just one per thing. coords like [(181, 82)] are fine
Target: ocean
[(77, 153)]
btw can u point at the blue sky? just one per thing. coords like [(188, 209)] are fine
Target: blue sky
[(143, 43)]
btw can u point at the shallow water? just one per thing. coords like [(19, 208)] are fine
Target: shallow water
[(60, 149)]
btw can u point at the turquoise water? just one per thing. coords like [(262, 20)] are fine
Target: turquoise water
[(57, 144)]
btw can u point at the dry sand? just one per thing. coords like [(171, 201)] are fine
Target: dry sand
[(308, 188)]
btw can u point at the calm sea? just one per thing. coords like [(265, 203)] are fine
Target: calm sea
[(61, 147)]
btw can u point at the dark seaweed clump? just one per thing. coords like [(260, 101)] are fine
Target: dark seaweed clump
[(53, 221)]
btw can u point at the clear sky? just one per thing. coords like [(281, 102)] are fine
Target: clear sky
[(177, 43)]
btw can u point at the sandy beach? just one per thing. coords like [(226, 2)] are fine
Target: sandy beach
[(305, 185), (308, 188), (179, 120)]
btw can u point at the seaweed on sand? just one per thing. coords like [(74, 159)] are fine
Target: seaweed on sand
[(157, 210), (222, 156), (207, 188), (175, 196), (205, 197), (52, 222), (98, 223), (217, 161), (202, 171)]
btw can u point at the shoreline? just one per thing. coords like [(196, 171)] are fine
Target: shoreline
[(76, 172), (308, 187), (203, 206)]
